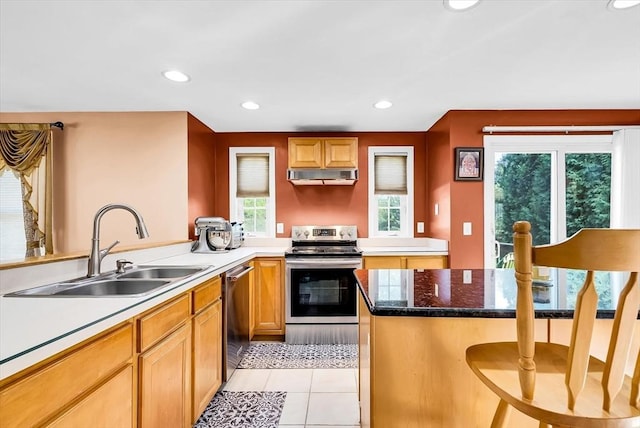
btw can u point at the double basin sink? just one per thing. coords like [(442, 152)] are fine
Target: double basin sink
[(135, 281)]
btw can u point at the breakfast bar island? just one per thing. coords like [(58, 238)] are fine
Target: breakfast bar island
[(414, 328)]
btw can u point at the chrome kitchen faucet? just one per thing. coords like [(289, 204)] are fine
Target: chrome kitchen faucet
[(96, 256)]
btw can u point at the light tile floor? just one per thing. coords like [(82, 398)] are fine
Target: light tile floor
[(326, 398)]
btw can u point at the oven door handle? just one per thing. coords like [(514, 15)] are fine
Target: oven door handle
[(323, 262)]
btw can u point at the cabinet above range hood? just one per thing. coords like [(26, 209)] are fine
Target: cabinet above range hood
[(319, 177)]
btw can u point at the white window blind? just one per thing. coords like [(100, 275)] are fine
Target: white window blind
[(390, 174), (252, 176)]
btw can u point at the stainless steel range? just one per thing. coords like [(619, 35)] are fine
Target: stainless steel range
[(321, 290)]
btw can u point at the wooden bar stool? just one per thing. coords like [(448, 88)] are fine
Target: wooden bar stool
[(572, 388)]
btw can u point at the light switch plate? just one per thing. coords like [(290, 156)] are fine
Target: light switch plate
[(436, 209), (279, 227), (466, 228), (466, 276), (420, 227)]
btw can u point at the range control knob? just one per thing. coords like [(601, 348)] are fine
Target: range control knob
[(306, 233)]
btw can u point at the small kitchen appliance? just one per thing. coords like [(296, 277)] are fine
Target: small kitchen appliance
[(321, 289), (237, 235), (213, 233)]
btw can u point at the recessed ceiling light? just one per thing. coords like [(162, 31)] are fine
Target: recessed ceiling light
[(382, 104), (622, 4), (250, 105), (176, 76), (458, 5)]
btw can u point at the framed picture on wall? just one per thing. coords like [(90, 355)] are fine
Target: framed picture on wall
[(469, 163)]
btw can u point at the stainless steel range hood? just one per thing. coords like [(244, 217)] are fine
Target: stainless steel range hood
[(319, 177)]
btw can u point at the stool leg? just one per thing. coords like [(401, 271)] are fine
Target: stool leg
[(501, 417)]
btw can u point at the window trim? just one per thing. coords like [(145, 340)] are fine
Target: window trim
[(406, 227), (271, 200)]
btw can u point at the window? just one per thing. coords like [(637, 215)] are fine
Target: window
[(252, 189), (391, 191), (560, 184), (12, 238)]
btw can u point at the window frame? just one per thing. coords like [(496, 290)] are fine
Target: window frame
[(406, 217), (555, 145), (233, 182)]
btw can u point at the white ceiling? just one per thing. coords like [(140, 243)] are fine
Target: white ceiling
[(317, 65)]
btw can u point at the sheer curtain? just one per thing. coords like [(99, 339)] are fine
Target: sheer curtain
[(25, 149)]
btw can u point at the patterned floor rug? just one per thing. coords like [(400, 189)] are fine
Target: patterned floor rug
[(287, 356), (230, 409)]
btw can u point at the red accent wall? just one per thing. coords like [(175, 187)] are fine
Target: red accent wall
[(466, 199), (201, 154), (440, 170), (298, 205)]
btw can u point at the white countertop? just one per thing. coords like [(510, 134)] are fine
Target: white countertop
[(35, 328)]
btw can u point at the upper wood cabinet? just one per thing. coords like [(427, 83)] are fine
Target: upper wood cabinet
[(323, 152)]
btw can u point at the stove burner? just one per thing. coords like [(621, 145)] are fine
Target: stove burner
[(323, 241)]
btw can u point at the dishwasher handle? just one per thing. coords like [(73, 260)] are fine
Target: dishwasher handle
[(234, 276)]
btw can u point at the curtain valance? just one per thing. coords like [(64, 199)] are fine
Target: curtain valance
[(22, 145)]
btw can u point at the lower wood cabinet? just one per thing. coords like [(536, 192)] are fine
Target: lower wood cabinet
[(405, 262), (165, 382), (413, 372), (159, 369), (73, 379), (268, 296), (207, 356), (111, 405)]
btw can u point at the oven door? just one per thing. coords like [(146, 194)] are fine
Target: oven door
[(321, 291)]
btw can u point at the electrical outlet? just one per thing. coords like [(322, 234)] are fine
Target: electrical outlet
[(466, 228), (279, 227), (420, 227)]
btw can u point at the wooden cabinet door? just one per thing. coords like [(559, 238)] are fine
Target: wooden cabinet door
[(427, 262), (269, 296), (111, 405), (383, 262), (207, 357), (33, 398), (165, 382), (341, 153), (305, 153)]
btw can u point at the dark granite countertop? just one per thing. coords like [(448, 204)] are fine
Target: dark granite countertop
[(483, 293)]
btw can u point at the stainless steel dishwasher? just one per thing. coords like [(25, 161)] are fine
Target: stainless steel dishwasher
[(236, 317)]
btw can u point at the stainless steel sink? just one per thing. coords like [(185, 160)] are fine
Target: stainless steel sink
[(161, 272), (136, 281), (114, 287)]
